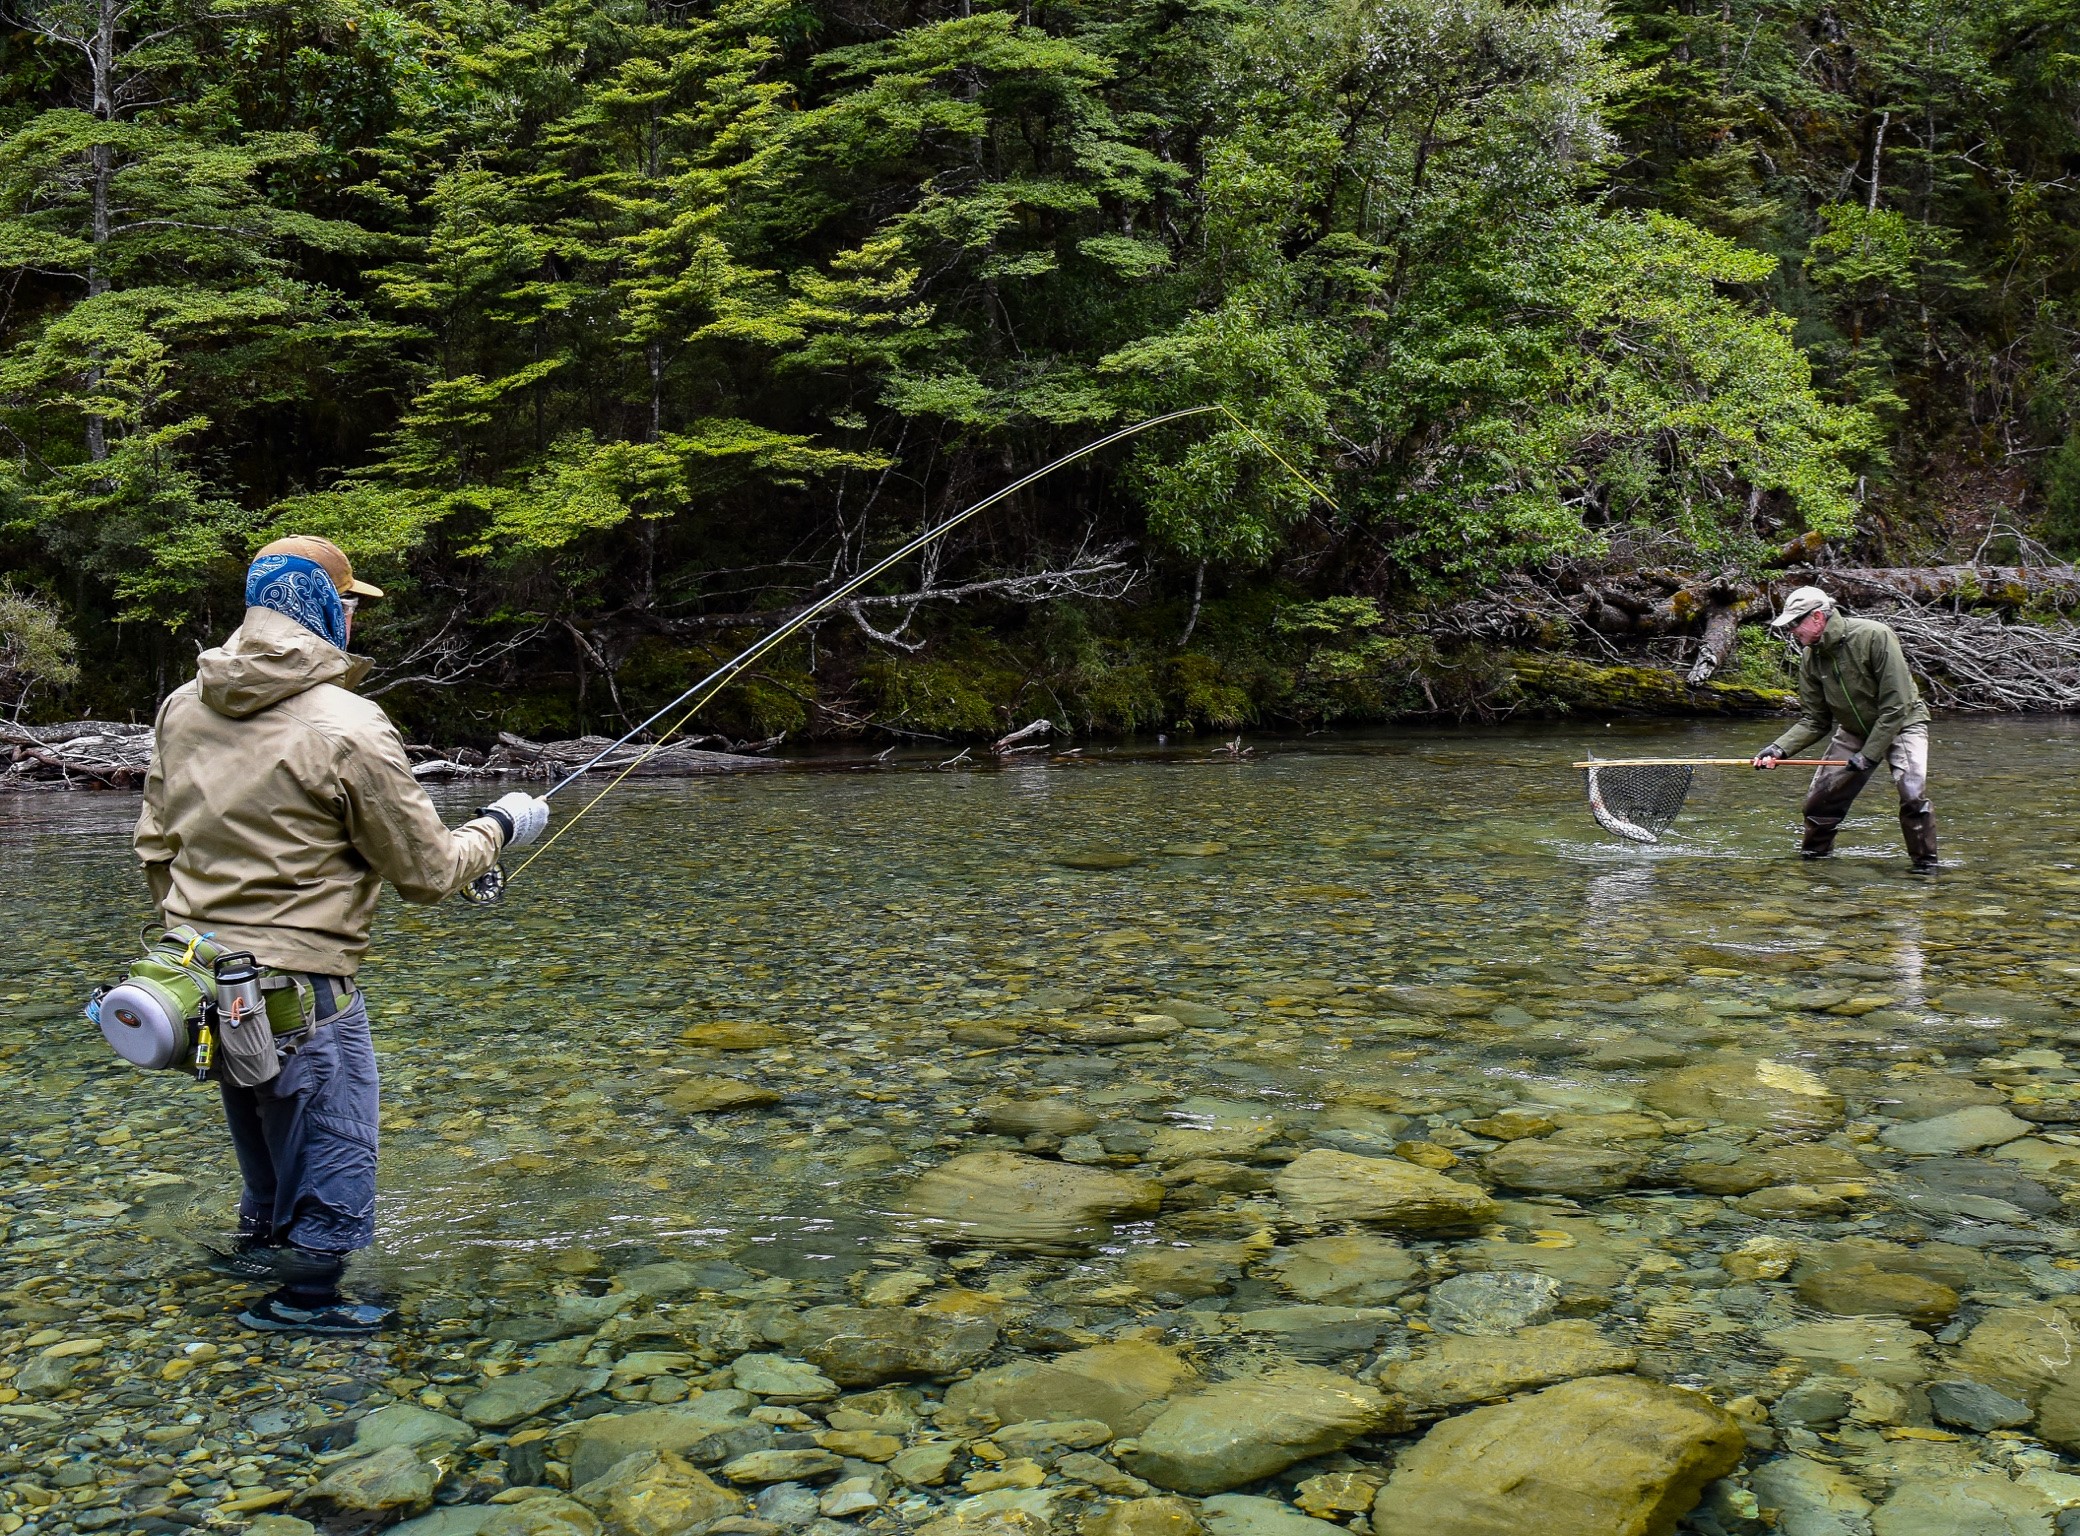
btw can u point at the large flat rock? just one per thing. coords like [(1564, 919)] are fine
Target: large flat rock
[(1325, 1186), (1455, 1371), (863, 1346), (1118, 1383), (1751, 1091), (1238, 1431), (1353, 1269), (705, 1429), (1009, 1200), (1605, 1456), (1962, 1130)]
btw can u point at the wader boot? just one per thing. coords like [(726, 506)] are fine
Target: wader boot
[(1917, 824), (1833, 791)]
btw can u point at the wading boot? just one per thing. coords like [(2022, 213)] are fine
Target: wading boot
[(1818, 841), (248, 1258), (333, 1316), (265, 1262), (1917, 824)]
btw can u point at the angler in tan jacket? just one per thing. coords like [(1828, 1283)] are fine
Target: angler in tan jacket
[(277, 804)]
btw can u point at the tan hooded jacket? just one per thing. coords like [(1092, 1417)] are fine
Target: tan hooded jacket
[(278, 803)]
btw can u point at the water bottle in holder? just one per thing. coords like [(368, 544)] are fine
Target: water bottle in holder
[(243, 1035)]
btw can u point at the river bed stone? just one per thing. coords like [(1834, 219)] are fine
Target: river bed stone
[(1586, 1458)]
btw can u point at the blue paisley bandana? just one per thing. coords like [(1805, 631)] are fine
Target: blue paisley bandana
[(298, 589)]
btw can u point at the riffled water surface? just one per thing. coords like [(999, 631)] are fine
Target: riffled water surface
[(725, 1025)]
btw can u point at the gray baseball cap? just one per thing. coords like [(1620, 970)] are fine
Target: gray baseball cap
[(1802, 601)]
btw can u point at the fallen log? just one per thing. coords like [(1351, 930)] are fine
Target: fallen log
[(99, 754), (517, 757), (1567, 682), (2007, 587)]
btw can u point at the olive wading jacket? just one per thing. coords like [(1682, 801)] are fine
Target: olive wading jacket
[(278, 803), (1854, 678)]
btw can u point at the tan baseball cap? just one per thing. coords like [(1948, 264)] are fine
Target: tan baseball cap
[(323, 552), (1802, 601)]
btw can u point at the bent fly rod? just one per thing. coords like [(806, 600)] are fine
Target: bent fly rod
[(490, 886)]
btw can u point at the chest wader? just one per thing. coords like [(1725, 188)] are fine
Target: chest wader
[(1834, 791)]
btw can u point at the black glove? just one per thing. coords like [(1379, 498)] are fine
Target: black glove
[(1767, 757), (1858, 763)]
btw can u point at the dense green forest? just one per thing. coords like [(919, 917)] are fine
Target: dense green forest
[(599, 330)]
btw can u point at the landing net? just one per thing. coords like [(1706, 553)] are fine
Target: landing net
[(1639, 801)]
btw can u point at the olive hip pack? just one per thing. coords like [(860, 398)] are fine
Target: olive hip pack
[(191, 1002)]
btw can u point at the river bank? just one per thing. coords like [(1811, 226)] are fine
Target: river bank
[(103, 754)]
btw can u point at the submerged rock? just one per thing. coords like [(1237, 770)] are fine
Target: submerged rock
[(550, 1515), (1144, 1517), (1866, 1291), (1810, 1498), (1604, 1456), (394, 1479), (1323, 1186), (1009, 1200), (1974, 1405), (1352, 1270), (1963, 1130), (1455, 1371), (1317, 1332), (1238, 1431), (1202, 1270), (2025, 1349), (862, 1346), (780, 1380), (1038, 1117), (706, 1429), (713, 1095), (1878, 1348), (655, 1493), (407, 1424), (1236, 1514), (1118, 1383), (1760, 1093), (1492, 1303), (1563, 1168), (509, 1399), (1968, 1505)]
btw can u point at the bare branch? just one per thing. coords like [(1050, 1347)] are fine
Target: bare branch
[(444, 659)]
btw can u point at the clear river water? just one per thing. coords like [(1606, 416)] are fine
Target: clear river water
[(698, 1062)]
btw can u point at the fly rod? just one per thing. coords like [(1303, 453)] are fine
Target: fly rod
[(491, 886)]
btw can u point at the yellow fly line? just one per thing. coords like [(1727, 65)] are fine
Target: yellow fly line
[(706, 690)]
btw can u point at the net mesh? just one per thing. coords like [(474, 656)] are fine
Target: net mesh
[(1637, 801)]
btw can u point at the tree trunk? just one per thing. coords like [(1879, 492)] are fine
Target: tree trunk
[(101, 55), (1198, 595), (1722, 622)]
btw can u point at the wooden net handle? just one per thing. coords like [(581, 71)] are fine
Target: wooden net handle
[(1708, 762)]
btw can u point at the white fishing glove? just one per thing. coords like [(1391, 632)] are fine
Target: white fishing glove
[(520, 817)]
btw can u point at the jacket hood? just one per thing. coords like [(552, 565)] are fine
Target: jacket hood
[(270, 658)]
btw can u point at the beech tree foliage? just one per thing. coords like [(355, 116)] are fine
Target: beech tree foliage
[(598, 326)]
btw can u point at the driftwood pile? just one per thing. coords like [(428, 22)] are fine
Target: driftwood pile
[(515, 757), (84, 754), (103, 754)]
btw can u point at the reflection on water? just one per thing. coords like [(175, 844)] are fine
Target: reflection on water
[(1368, 945)]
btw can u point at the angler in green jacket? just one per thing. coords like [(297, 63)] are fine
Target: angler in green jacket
[(1854, 685)]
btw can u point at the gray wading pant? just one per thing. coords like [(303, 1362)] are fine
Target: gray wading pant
[(1834, 790), (306, 1141)]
